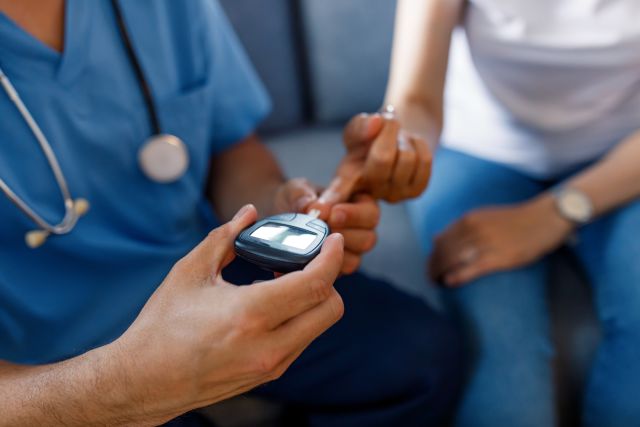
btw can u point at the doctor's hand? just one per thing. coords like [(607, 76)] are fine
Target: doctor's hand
[(355, 218), (382, 160), (200, 339), (489, 240)]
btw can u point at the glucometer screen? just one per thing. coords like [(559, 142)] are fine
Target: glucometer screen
[(287, 236)]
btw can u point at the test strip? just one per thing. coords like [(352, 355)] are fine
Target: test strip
[(315, 213)]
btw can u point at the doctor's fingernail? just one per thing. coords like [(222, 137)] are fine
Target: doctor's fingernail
[(337, 237), (242, 211)]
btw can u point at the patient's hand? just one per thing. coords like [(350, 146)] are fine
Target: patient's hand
[(496, 239), (294, 195), (382, 160), (356, 218)]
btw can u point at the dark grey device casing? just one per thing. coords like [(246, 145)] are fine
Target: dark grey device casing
[(274, 256)]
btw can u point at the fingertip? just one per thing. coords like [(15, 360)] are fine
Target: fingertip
[(331, 254), (334, 243), (321, 207), (304, 203), (337, 239), (333, 194), (351, 264), (374, 125), (245, 211)]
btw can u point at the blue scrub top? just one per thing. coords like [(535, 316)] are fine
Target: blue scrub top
[(83, 290)]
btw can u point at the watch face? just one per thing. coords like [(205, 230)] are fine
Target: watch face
[(575, 206)]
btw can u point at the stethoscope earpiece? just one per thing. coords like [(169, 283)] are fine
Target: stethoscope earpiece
[(163, 158), (36, 238)]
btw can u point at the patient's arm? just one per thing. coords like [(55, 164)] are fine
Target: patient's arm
[(248, 172), (507, 237), (389, 155), (419, 63)]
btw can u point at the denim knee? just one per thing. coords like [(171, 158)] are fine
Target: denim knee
[(507, 327)]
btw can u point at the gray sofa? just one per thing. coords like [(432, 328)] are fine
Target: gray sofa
[(323, 61)]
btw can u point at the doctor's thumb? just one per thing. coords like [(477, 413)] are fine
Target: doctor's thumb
[(216, 251)]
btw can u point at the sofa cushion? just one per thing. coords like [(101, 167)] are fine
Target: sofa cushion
[(348, 47), (266, 29)]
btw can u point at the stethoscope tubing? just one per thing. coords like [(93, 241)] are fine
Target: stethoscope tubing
[(137, 68), (70, 217)]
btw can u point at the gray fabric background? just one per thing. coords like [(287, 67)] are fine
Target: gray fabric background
[(349, 46), (265, 28)]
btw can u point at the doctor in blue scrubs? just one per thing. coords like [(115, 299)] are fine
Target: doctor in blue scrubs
[(135, 121)]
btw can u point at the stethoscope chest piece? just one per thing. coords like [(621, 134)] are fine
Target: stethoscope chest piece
[(164, 158)]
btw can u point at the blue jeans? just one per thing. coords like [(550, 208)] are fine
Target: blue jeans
[(390, 361), (505, 315)]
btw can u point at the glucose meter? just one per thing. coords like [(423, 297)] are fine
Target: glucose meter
[(282, 243)]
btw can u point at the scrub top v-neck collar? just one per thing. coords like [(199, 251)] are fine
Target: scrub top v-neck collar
[(76, 47), (19, 45)]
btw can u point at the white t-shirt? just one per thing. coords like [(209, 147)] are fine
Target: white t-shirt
[(544, 85)]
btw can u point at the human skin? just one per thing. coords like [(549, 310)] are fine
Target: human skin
[(200, 339), (420, 57)]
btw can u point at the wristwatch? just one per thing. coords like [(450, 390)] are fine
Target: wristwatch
[(574, 205)]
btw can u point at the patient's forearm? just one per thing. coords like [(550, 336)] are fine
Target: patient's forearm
[(417, 118), (419, 62), (615, 180)]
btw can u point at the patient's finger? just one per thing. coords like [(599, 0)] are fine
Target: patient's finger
[(382, 157), (358, 241), (405, 167), (423, 167), (351, 263), (364, 212), (362, 129)]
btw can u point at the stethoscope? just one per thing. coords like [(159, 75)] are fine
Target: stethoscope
[(163, 158)]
